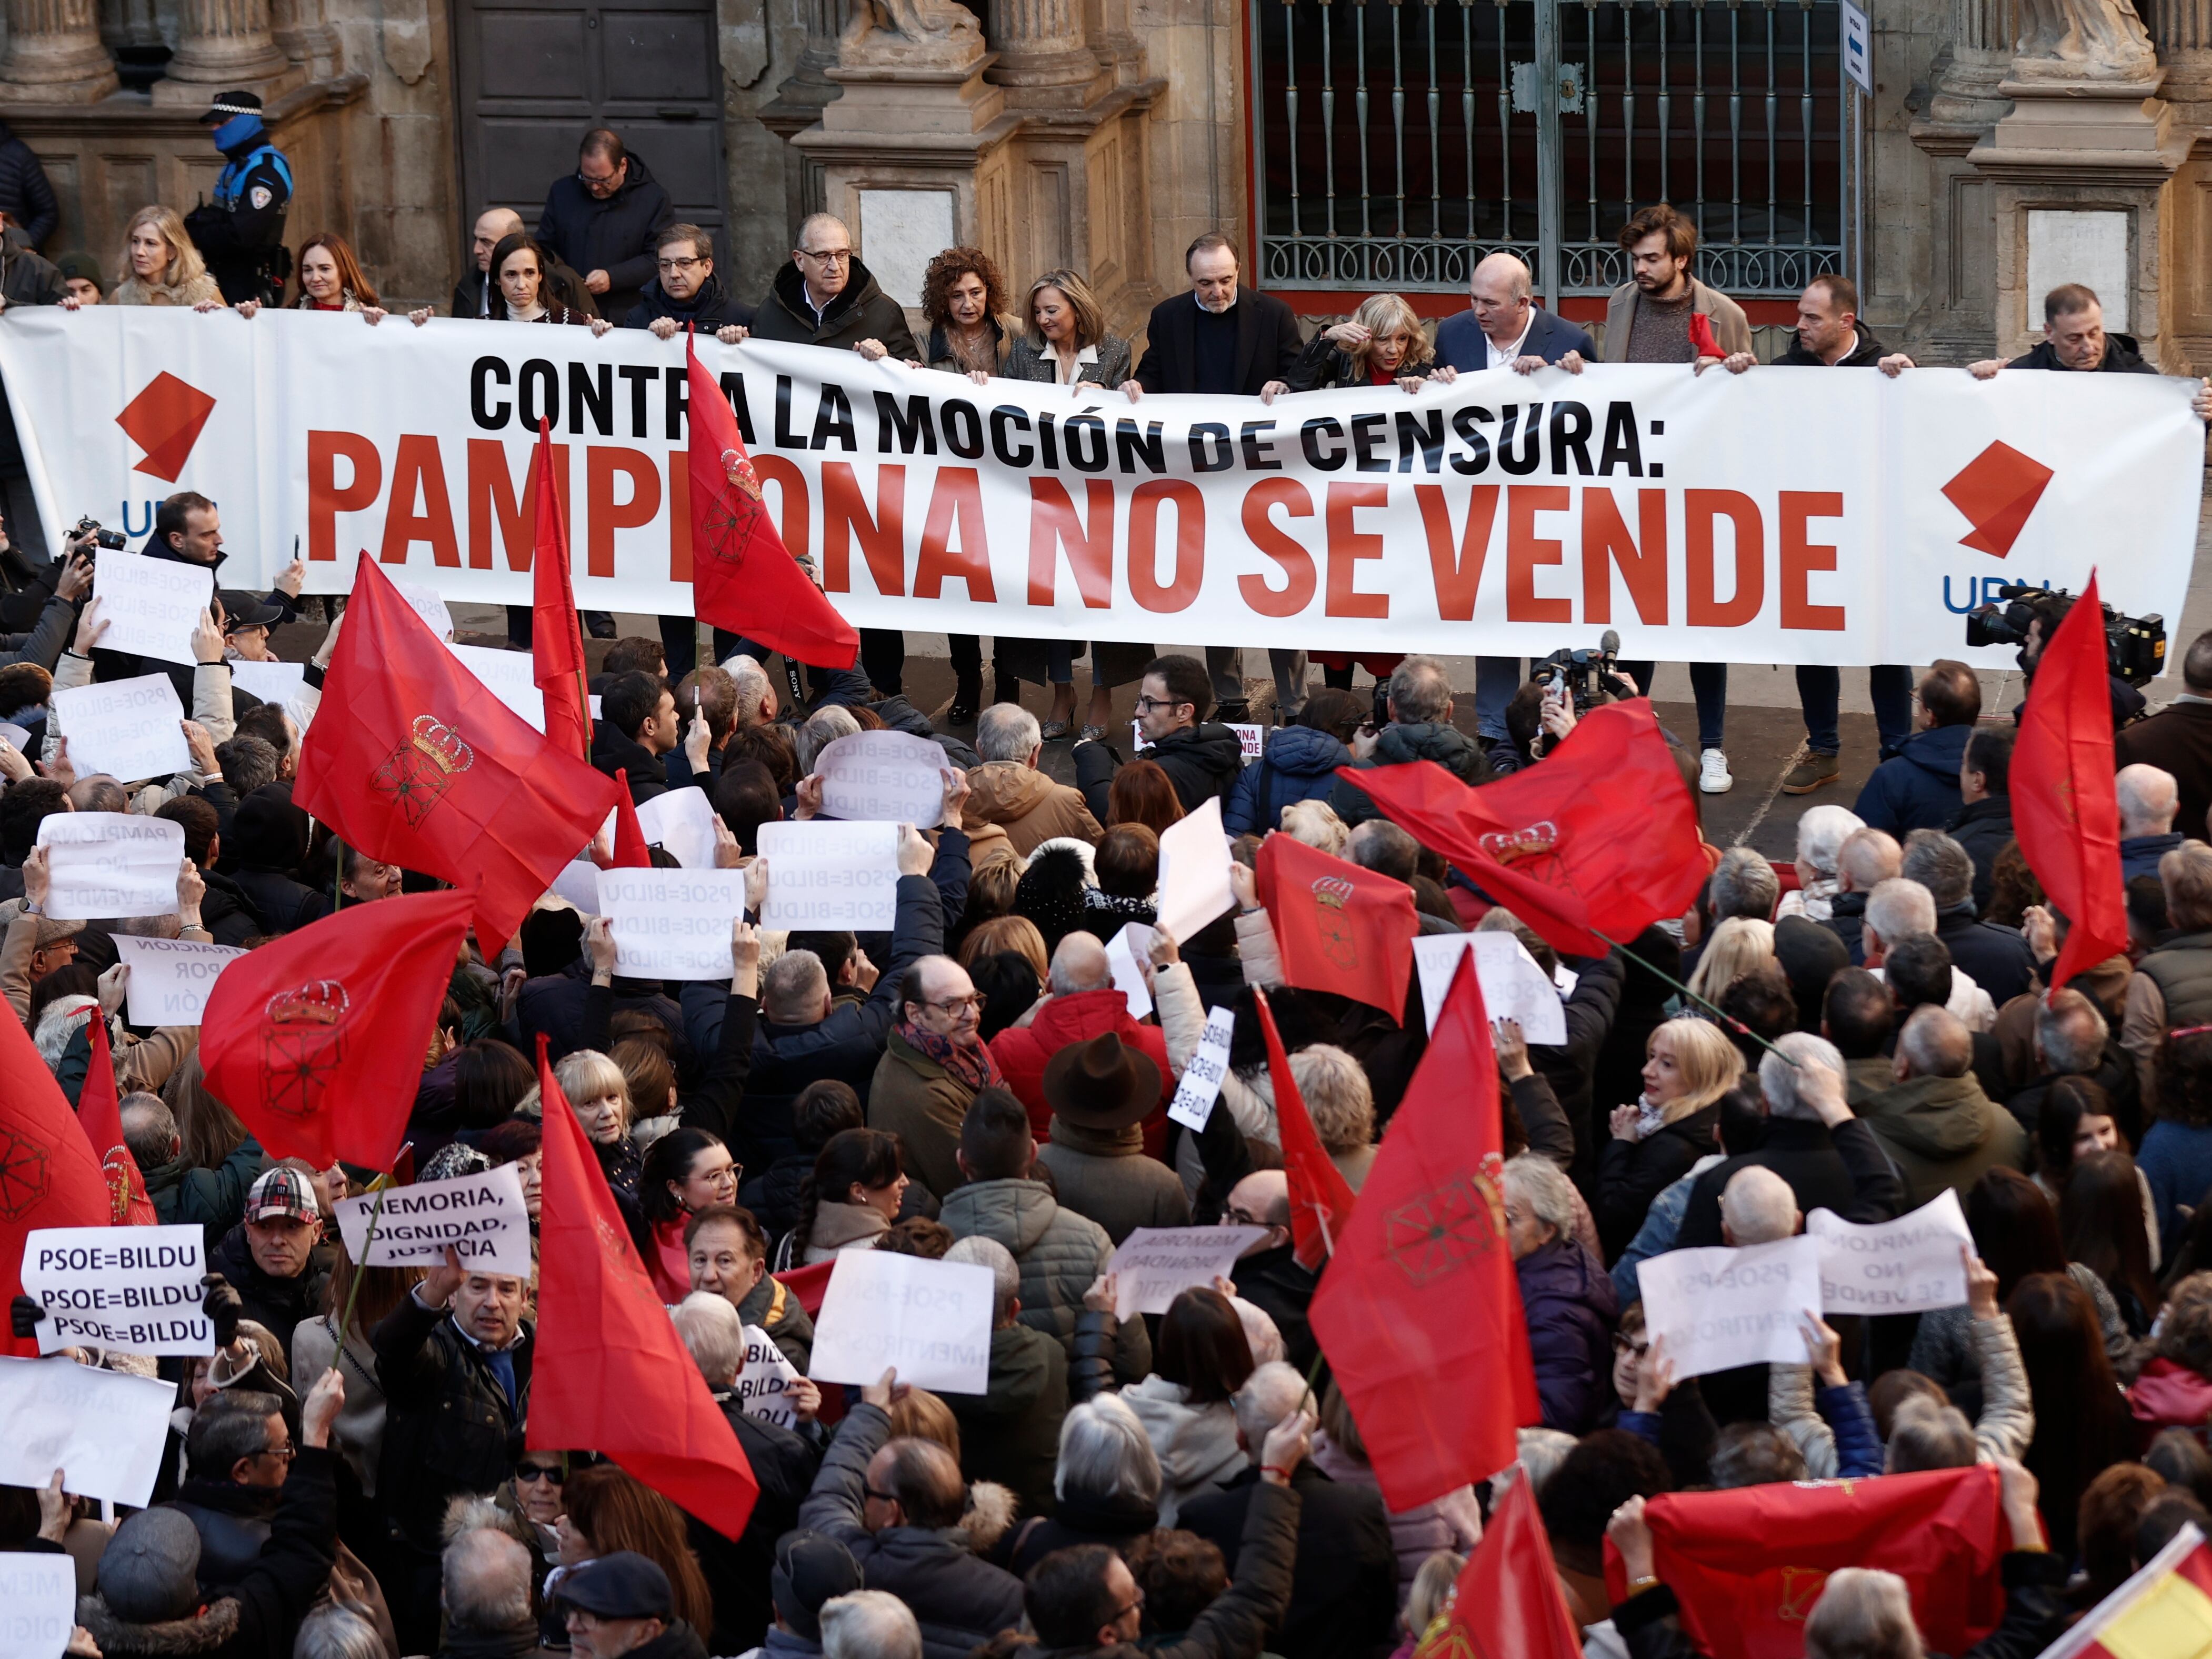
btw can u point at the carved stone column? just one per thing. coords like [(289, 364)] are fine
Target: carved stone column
[(224, 44), (1983, 37), (2183, 30), (55, 54), (797, 102), (1041, 50), (305, 35)]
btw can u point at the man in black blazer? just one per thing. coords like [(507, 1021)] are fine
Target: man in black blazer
[(1502, 328), (1216, 338)]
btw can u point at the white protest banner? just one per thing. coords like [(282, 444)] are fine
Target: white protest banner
[(129, 729), (280, 682), (481, 1218), (14, 735), (1906, 1266), (1774, 518), (579, 883), (827, 875), (1153, 1265), (37, 1605), (1251, 740), (891, 776), (1199, 1086), (506, 675), (672, 924), (682, 823), (105, 1428), (930, 1320), (151, 606), (763, 1384), (110, 863), (1513, 986), (1720, 1308), (135, 1290), (1194, 872), (170, 978), (1125, 953)]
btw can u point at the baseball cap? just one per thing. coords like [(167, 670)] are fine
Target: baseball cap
[(624, 1585), (282, 1191), (810, 1568), (242, 610), (149, 1571)]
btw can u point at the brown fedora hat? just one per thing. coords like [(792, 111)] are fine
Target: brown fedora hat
[(1103, 1083)]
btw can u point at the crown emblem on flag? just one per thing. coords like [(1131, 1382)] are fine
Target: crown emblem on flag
[(421, 770), (323, 1002), (1517, 846), (1332, 914), (304, 1043)]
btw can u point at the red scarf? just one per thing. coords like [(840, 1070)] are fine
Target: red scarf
[(975, 1066)]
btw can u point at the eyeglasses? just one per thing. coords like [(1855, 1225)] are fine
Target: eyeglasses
[(681, 265), (286, 1453), (881, 1497), (828, 256), (1124, 1612), (957, 1005), (604, 181), (1145, 705), (540, 1472)]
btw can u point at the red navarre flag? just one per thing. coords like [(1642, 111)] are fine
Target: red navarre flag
[(631, 851), (557, 648), (743, 578), (1507, 1603), (316, 1040), (605, 1344), (2065, 810), (99, 1112), (413, 761), (1320, 1198), (1420, 1312), (1748, 1565), (49, 1177), (1339, 927), (1600, 837)]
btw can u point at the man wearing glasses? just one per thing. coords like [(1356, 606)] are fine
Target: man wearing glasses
[(934, 1063), (826, 297), (604, 220)]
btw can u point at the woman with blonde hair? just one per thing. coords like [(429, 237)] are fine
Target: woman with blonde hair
[(160, 267), (1016, 933), (597, 1090), (1690, 1065), (1383, 343), (1738, 946), (1068, 343)]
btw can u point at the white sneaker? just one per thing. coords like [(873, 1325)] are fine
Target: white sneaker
[(1713, 778)]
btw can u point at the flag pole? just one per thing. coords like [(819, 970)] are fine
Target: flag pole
[(1728, 1020)]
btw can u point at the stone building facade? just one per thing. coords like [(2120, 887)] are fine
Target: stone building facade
[(2006, 145)]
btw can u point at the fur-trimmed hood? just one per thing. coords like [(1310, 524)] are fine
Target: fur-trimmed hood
[(59, 1022), (991, 1510), (207, 1632)]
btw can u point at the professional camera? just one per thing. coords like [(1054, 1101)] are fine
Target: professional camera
[(2134, 647), (1583, 672), (99, 538)]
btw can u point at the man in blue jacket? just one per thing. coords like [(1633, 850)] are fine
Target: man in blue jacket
[(1502, 328), (1917, 787), (605, 219)]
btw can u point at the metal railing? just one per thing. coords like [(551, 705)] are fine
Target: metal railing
[(1398, 142)]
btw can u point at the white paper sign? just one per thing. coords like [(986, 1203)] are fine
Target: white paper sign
[(1513, 986), (507, 675), (1194, 872), (110, 863), (1906, 1266), (1252, 741), (931, 1321), (672, 924), (425, 603), (1200, 1085), (135, 1290), (170, 978), (129, 729), (1154, 1265), (280, 682), (579, 883), (1124, 951), (1720, 1308), (894, 777), (37, 1605), (481, 1217), (763, 1385), (14, 735), (152, 605), (682, 823), (105, 1428), (830, 876)]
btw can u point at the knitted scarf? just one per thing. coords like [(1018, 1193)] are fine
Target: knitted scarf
[(973, 1067)]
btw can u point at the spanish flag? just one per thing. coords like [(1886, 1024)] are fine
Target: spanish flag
[(2164, 1612)]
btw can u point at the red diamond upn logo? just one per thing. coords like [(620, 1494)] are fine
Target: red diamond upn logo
[(1995, 491), (165, 419)]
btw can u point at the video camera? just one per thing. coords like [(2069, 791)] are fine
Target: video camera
[(2134, 647), (1581, 671), (91, 527)]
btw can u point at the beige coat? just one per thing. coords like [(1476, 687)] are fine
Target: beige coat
[(1029, 806), (913, 1097), (1731, 326)]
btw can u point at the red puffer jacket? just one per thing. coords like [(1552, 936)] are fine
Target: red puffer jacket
[(1023, 1050)]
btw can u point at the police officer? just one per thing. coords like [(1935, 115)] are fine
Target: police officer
[(241, 232)]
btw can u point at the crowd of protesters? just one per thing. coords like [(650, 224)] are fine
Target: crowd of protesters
[(1860, 1030)]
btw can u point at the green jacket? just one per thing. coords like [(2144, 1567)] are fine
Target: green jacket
[(1011, 1432), (1943, 1132), (215, 1198), (916, 1099)]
